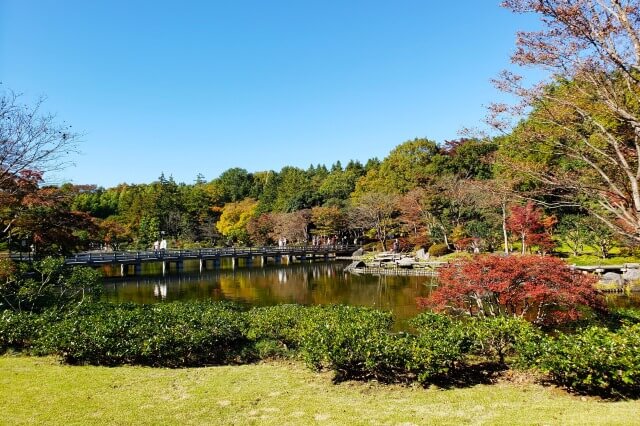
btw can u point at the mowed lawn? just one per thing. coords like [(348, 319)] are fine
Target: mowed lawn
[(42, 391)]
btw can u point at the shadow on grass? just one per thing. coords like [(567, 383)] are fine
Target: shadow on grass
[(468, 375), (462, 376)]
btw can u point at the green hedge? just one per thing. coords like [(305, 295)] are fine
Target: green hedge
[(27, 331), (171, 335), (277, 330), (354, 342), (596, 360)]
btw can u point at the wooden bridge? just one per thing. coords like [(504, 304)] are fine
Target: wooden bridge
[(134, 259)]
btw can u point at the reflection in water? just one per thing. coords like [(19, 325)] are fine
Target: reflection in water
[(305, 283), (160, 291)]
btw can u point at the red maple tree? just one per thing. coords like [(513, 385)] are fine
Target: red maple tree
[(543, 290), (531, 226)]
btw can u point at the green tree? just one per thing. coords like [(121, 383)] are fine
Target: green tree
[(470, 158), (149, 231), (582, 137), (573, 232), (407, 166), (295, 191), (234, 219), (33, 287), (235, 185)]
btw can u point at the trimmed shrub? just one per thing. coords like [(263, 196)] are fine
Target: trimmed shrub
[(441, 343), (498, 337), (26, 331), (170, 335), (17, 330), (596, 360), (437, 250), (354, 342), (281, 325)]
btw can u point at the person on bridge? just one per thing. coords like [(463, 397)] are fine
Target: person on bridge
[(163, 245)]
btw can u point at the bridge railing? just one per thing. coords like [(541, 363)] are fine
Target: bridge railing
[(170, 254)]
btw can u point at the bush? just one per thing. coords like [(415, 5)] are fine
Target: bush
[(354, 342), (16, 330), (281, 325), (441, 343), (437, 250), (26, 331), (170, 335), (498, 337), (596, 360), (46, 283)]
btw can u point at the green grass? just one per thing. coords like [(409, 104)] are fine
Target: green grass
[(41, 391), (453, 257), (591, 260)]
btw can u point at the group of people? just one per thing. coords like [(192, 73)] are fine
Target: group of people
[(320, 240), (159, 245)]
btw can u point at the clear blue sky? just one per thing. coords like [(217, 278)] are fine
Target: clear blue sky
[(188, 87)]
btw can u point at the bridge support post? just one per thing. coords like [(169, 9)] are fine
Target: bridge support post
[(263, 260), (203, 265), (123, 270), (216, 263), (137, 268), (180, 266), (234, 262), (164, 267)]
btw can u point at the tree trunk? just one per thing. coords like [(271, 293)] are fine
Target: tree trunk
[(504, 228)]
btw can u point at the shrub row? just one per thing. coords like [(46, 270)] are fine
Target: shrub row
[(355, 342), (170, 335), (595, 360)]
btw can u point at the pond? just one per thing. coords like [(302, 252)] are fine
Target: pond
[(306, 283)]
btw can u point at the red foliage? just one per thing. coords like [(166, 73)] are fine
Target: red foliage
[(529, 223), (541, 289)]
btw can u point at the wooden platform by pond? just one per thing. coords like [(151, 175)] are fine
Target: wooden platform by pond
[(377, 270), (395, 264)]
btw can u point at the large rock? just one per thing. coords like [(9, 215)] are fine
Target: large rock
[(356, 264), (422, 254), (631, 275), (611, 277), (358, 252)]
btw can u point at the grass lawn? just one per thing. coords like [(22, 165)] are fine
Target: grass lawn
[(41, 391)]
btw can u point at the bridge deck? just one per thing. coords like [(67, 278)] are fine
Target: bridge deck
[(134, 257)]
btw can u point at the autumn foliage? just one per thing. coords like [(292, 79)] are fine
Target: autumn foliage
[(543, 290), (531, 226)]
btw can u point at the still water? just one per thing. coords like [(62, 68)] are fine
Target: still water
[(305, 283)]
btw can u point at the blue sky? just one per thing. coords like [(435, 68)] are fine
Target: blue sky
[(198, 87)]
